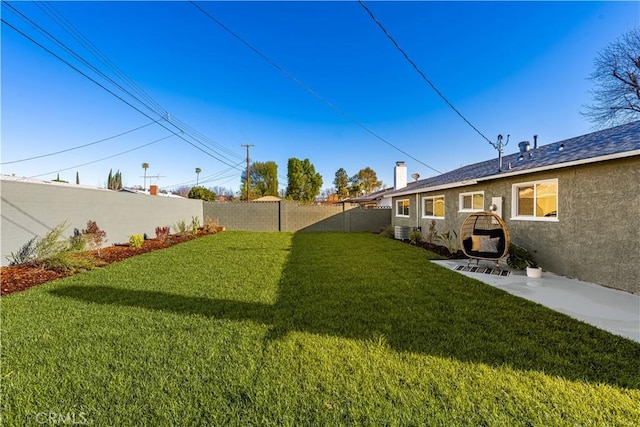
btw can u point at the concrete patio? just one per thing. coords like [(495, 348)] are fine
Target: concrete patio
[(614, 311)]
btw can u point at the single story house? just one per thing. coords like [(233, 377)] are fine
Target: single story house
[(574, 204), (374, 199)]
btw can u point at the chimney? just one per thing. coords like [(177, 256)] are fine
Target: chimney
[(535, 141), (400, 176)]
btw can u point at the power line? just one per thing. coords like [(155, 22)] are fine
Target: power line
[(305, 87), (162, 113), (206, 178), (78, 147), (104, 158), (424, 77), (109, 91)]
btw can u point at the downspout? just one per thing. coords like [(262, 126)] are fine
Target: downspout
[(417, 212)]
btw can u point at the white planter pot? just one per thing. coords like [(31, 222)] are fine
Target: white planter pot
[(534, 272)]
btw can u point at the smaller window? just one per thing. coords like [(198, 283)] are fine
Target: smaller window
[(433, 207), (472, 202), (402, 207), (536, 200)]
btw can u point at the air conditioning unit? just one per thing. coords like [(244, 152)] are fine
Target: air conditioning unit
[(401, 232)]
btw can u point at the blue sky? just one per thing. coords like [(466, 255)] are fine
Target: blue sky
[(518, 68)]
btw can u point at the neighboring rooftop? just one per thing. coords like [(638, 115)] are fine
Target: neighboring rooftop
[(371, 197), (617, 142)]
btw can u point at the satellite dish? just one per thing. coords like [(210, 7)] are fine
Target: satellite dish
[(415, 176)]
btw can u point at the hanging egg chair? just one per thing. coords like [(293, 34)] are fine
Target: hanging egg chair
[(484, 235)]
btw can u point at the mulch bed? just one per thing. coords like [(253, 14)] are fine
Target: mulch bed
[(21, 277), (442, 250)]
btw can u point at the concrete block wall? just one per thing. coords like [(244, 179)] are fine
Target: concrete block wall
[(31, 209), (287, 216), (256, 216)]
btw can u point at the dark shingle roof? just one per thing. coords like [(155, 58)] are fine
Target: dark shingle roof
[(616, 140)]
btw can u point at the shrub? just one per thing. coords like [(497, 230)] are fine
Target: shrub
[(195, 225), (51, 252), (201, 193), (449, 240), (136, 240), (180, 227), (211, 225), (77, 242), (432, 233), (26, 254), (415, 237), (388, 231), (94, 236), (162, 233)]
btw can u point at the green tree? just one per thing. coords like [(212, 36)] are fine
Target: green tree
[(367, 180), (304, 182), (616, 78), (59, 180), (341, 183), (201, 193), (264, 180), (114, 181), (145, 166)]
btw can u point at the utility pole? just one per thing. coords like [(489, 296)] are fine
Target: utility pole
[(248, 174)]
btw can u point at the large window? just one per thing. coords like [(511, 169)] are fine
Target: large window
[(402, 207), (472, 202), (535, 200), (433, 207)]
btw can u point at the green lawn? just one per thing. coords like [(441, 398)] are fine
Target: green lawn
[(328, 329)]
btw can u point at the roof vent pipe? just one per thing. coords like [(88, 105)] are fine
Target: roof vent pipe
[(535, 141), (524, 146)]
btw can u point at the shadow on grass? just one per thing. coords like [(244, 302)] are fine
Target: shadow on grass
[(429, 311)]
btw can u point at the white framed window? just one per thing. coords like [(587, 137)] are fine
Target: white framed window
[(402, 207), (471, 202), (433, 207), (535, 201)]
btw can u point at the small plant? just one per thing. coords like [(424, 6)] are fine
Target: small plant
[(449, 240), (77, 241), (136, 240), (211, 225), (180, 227), (432, 233), (195, 225), (388, 231), (520, 258), (26, 254), (94, 236), (51, 252), (162, 233), (415, 237)]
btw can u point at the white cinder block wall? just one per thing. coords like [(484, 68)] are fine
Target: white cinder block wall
[(31, 209)]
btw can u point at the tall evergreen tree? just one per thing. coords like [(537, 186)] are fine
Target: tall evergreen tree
[(114, 181), (304, 182), (341, 183)]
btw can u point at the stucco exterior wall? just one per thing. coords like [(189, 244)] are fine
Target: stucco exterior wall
[(31, 209), (597, 235)]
